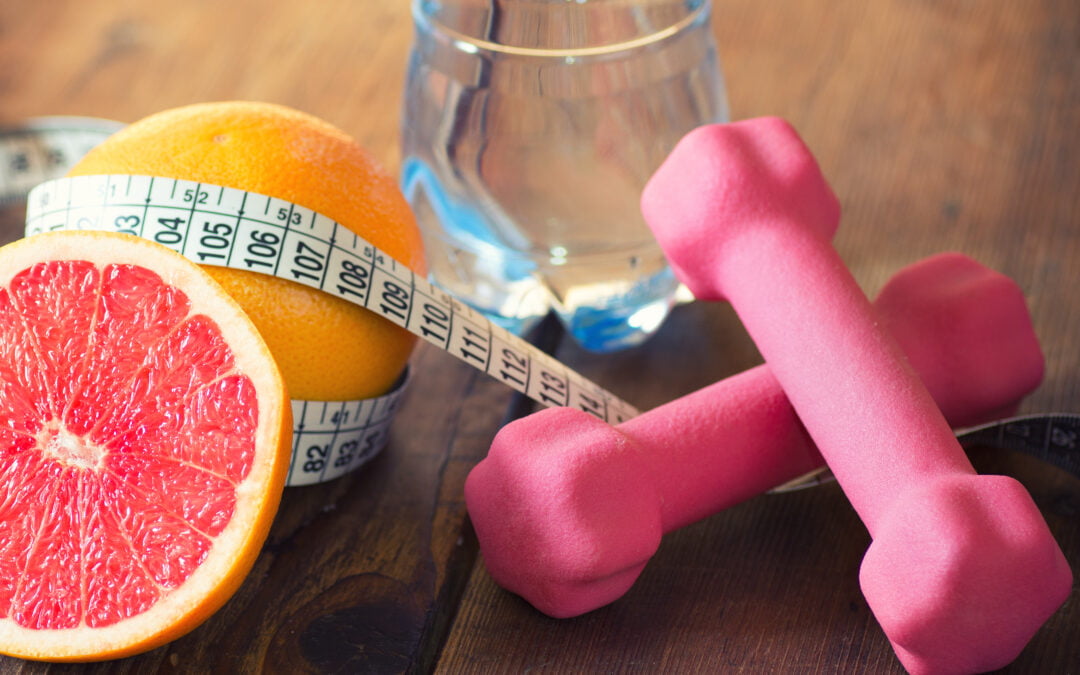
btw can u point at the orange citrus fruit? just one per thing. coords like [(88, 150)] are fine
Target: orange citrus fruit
[(146, 439), (327, 348)]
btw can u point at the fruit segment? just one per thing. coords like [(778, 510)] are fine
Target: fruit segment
[(137, 310)]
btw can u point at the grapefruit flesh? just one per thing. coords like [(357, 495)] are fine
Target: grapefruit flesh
[(144, 443)]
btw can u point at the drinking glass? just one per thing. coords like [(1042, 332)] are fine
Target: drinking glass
[(529, 129)]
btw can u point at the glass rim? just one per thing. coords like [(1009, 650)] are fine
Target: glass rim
[(474, 45)]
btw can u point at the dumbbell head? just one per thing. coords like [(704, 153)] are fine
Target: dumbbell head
[(566, 513), (975, 565), (969, 324), (747, 175)]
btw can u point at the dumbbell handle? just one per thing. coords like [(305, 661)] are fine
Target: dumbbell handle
[(869, 414), (744, 214), (721, 445)]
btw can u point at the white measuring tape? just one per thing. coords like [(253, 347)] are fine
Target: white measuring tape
[(214, 225)]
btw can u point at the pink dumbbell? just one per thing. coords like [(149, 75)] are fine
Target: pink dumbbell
[(568, 510), (962, 569)]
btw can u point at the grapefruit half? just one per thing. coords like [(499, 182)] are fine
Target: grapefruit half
[(145, 434)]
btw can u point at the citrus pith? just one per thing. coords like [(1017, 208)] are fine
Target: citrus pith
[(327, 348), (145, 438)]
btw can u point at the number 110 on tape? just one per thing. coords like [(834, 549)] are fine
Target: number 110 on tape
[(214, 225)]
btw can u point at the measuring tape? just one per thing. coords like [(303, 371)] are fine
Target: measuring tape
[(215, 225), (45, 148), (1052, 437)]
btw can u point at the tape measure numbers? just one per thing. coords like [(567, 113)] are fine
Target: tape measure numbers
[(215, 225), (332, 438)]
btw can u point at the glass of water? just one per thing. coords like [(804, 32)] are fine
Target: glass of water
[(529, 130)]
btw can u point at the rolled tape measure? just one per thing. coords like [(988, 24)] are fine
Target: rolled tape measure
[(44, 148)]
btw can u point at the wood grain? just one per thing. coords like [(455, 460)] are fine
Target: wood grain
[(942, 125)]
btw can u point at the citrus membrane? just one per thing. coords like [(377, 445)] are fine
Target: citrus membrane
[(144, 441)]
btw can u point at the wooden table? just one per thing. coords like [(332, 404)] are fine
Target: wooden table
[(946, 125)]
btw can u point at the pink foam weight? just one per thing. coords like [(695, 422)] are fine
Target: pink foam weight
[(568, 510), (743, 213)]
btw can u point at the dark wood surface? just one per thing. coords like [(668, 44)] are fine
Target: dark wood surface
[(945, 125)]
